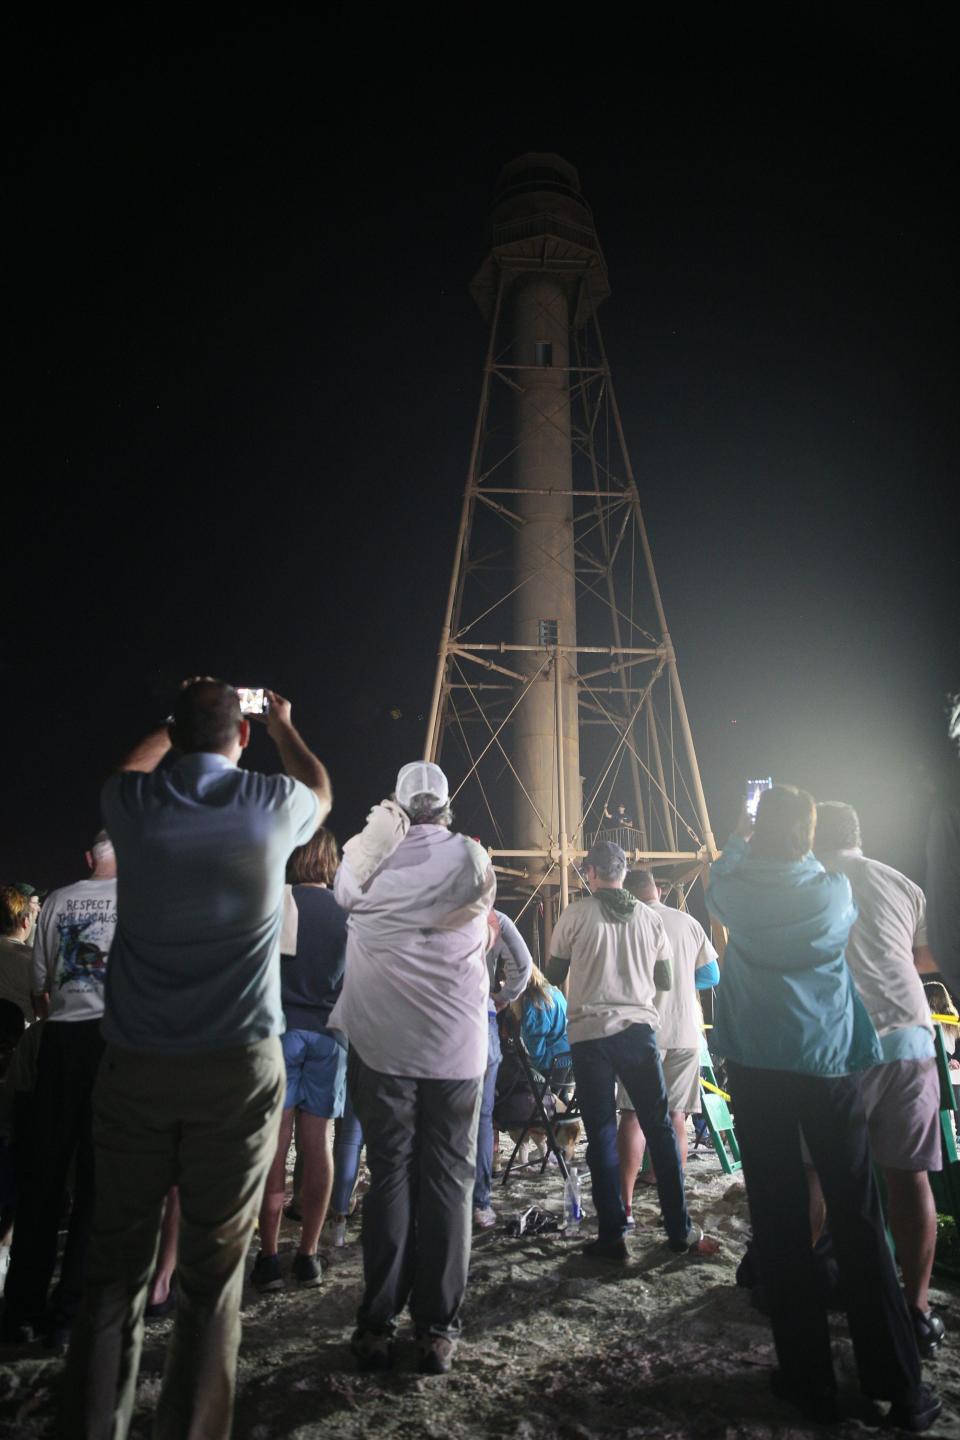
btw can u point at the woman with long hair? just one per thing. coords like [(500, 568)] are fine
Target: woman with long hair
[(315, 1058), (542, 1015)]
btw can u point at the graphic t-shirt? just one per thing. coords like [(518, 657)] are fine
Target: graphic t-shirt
[(74, 935)]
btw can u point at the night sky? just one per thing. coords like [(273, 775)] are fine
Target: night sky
[(247, 364)]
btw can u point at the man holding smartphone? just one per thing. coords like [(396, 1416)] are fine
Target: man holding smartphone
[(192, 1079)]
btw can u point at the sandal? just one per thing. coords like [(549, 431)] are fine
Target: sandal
[(533, 1222), (162, 1308), (696, 1245)]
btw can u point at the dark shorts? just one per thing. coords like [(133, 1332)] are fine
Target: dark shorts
[(902, 1101)]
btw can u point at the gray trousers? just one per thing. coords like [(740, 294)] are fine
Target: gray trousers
[(209, 1124), (421, 1139)]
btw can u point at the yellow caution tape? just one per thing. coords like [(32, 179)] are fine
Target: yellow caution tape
[(940, 1020)]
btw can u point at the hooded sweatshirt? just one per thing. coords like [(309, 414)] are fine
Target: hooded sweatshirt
[(788, 1001)]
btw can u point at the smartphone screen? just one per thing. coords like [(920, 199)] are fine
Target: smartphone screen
[(252, 702), (755, 789)]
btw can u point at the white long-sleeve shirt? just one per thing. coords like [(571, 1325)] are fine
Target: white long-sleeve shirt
[(512, 950), (414, 998)]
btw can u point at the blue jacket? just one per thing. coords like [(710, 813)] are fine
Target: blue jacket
[(788, 1001), (544, 1029)]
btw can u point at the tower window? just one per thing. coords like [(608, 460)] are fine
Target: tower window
[(546, 632), (542, 353)]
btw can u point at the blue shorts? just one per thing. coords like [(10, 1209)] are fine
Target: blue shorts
[(316, 1072)]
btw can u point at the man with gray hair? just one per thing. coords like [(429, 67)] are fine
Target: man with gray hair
[(886, 949), (618, 956), (74, 935), (414, 1009)]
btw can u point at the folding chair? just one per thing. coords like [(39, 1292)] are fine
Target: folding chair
[(719, 1120), (945, 1183), (562, 1083), (716, 1117), (539, 1085)]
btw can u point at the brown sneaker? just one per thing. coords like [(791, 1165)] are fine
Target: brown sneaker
[(436, 1354)]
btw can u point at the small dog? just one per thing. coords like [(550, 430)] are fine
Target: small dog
[(567, 1133)]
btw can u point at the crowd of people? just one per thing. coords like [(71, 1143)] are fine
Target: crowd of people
[(222, 984)]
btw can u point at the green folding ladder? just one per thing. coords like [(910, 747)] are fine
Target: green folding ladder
[(945, 1183), (713, 1103)]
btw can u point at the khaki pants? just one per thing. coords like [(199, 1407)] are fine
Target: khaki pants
[(207, 1123)]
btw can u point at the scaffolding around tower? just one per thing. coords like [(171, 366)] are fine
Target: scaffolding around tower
[(557, 700)]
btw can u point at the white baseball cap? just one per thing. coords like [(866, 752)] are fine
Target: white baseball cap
[(422, 778)]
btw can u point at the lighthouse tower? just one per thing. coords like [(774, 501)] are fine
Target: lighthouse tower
[(557, 709)]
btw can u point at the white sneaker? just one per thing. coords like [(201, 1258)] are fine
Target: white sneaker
[(338, 1233), (631, 1223), (484, 1218)]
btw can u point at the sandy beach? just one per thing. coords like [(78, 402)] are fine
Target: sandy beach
[(554, 1345)]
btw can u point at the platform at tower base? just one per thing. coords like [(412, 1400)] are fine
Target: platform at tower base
[(554, 1347)]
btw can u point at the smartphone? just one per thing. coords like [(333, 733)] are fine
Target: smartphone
[(252, 702), (755, 789)]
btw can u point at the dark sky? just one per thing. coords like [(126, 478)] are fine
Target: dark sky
[(247, 365)]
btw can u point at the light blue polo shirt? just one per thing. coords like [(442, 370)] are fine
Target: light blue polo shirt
[(201, 854)]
